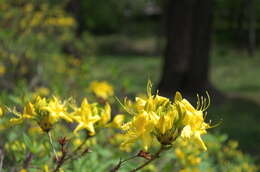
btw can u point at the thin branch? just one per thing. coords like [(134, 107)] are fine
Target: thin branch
[(51, 143), (60, 162), (1, 159), (154, 157), (74, 153), (27, 160), (121, 162)]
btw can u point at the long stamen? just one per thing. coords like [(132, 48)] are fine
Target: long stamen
[(208, 100), (198, 102), (202, 103)]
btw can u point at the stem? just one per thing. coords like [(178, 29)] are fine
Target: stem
[(60, 162), (27, 160), (74, 153), (128, 159), (1, 159), (155, 156), (81, 145), (51, 143), (121, 162)]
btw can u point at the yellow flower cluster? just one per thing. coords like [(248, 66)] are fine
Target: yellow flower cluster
[(41, 91), (15, 146), (62, 21), (158, 117), (188, 155), (102, 89), (46, 112), (1, 112), (2, 69), (87, 115)]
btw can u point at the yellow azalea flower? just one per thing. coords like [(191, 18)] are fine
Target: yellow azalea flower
[(1, 111), (41, 91), (15, 146), (117, 121), (102, 89), (46, 122), (157, 116), (193, 121), (139, 104), (58, 110), (44, 112), (151, 103), (76, 142), (105, 115), (23, 170), (119, 138), (46, 168), (139, 128), (35, 130), (86, 117), (179, 153), (167, 129), (186, 132), (28, 113), (195, 160), (164, 124), (2, 70)]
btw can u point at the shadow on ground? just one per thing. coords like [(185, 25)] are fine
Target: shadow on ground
[(241, 121)]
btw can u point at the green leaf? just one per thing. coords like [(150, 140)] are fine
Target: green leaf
[(27, 141)]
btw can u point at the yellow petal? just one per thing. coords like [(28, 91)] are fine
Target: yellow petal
[(80, 126), (117, 121), (1, 112), (66, 117), (178, 96), (29, 110), (146, 141), (106, 115), (16, 121), (199, 140), (186, 132), (84, 102)]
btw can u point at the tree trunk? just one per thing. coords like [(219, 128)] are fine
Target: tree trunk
[(74, 7), (186, 59), (251, 28)]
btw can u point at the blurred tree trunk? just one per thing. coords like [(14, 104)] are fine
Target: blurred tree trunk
[(251, 27), (74, 7), (186, 59), (239, 30)]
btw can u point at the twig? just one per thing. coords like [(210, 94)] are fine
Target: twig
[(51, 143), (121, 162), (1, 159), (60, 162), (74, 153), (27, 160), (154, 157)]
